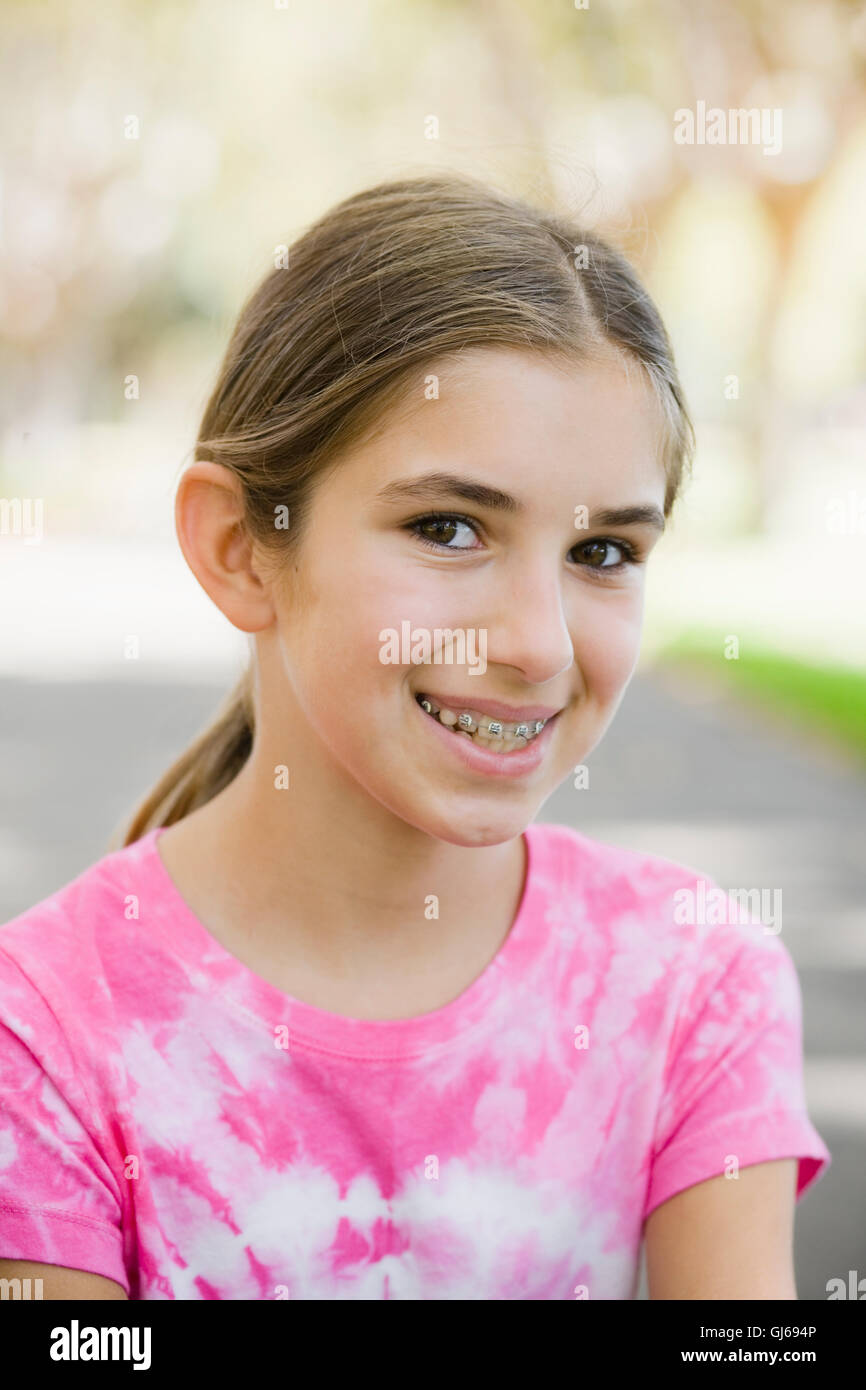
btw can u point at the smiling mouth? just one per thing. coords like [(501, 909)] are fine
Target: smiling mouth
[(494, 734)]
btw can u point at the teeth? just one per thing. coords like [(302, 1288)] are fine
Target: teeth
[(491, 733)]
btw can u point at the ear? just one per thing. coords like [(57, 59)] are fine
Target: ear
[(208, 517)]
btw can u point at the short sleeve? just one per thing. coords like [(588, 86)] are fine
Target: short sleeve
[(734, 1090), (59, 1201)]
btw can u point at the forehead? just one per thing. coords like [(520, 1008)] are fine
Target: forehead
[(499, 389), (533, 422)]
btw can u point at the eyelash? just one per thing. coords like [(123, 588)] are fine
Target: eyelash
[(630, 551)]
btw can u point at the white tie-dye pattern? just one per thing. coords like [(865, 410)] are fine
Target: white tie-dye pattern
[(262, 1169), (8, 1149)]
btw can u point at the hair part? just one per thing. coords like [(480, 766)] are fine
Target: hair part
[(326, 348)]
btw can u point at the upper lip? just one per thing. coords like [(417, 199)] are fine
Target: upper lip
[(495, 708)]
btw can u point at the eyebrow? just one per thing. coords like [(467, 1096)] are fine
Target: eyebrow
[(431, 487)]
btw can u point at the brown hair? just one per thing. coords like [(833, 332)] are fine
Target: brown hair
[(386, 281)]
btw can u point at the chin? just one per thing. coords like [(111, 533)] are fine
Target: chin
[(471, 826), (469, 819), (481, 838)]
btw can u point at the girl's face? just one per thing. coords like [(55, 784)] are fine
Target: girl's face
[(520, 581)]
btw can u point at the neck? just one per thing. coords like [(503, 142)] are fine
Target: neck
[(323, 874)]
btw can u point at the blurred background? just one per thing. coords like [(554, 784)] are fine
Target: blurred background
[(155, 154)]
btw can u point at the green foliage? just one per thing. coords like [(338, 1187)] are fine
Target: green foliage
[(829, 699)]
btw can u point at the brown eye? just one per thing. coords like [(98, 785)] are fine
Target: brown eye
[(596, 553), (438, 529)]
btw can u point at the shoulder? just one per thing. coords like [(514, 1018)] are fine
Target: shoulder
[(53, 954), (699, 976), (608, 880), (671, 912), (596, 866), (64, 1105)]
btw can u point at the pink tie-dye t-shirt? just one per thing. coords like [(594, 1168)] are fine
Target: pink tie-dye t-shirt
[(174, 1122)]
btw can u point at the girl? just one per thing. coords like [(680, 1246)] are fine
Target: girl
[(340, 1019)]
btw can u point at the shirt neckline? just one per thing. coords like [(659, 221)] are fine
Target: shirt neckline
[(184, 934)]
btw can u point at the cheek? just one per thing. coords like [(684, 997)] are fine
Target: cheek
[(330, 638), (607, 645), (381, 600)]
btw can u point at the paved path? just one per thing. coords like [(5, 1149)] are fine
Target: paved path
[(680, 773)]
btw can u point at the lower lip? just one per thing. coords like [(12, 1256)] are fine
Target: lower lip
[(484, 760)]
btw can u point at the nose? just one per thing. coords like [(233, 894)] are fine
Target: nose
[(528, 626)]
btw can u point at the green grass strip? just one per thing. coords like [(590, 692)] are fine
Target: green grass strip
[(831, 699)]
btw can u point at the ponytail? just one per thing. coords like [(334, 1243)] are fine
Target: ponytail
[(205, 768)]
